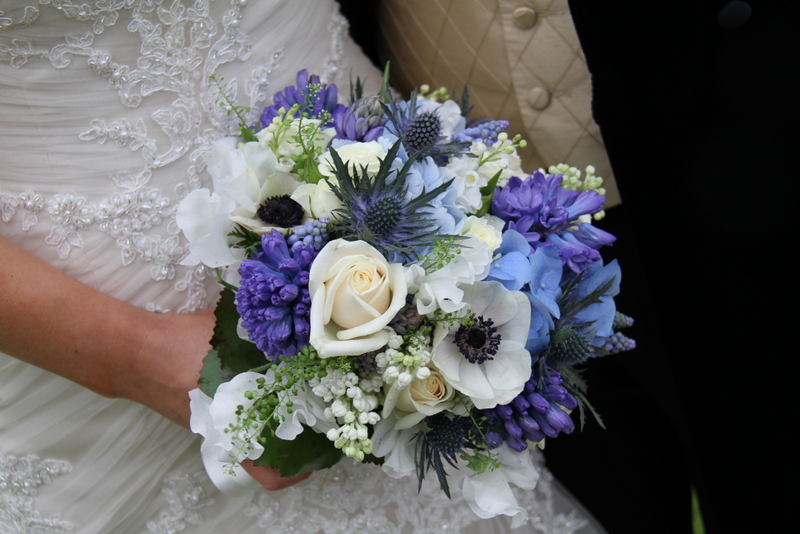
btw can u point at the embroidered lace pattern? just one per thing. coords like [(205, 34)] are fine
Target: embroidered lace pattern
[(358, 498), (20, 482), (185, 496), (181, 45)]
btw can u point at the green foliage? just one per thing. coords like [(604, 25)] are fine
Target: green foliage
[(385, 93), (309, 451), (443, 252), (230, 354), (232, 109), (248, 240), (487, 194), (576, 385), (211, 374)]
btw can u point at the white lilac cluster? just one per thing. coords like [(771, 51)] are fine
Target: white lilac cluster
[(427, 304), (351, 403)]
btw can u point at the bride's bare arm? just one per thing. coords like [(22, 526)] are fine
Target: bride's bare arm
[(53, 321)]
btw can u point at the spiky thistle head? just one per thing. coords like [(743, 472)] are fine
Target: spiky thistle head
[(568, 346), (441, 440), (376, 208), (421, 132)]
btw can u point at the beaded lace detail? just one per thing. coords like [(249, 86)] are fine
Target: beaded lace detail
[(353, 497), (185, 496), (181, 45), (20, 482)]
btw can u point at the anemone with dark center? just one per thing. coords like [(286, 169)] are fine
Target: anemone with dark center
[(281, 211), (479, 341)]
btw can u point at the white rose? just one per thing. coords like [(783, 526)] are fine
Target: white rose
[(355, 154), (355, 292), (423, 398)]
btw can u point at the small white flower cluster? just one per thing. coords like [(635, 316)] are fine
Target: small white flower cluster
[(351, 405), (404, 364)]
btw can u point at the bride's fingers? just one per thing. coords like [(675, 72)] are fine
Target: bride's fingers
[(270, 478)]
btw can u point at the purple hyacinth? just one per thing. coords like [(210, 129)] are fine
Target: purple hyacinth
[(483, 130), (273, 298), (539, 411), (618, 342), (314, 233), (361, 121), (326, 99), (541, 210)]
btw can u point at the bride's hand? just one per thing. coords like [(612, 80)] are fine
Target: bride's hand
[(182, 341), (51, 320)]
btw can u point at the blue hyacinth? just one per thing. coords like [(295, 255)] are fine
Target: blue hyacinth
[(538, 412), (325, 99), (273, 298)]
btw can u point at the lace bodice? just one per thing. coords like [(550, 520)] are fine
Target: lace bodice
[(141, 68), (105, 112)]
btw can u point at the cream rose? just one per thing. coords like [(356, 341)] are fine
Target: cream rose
[(367, 155), (355, 292), (423, 398)]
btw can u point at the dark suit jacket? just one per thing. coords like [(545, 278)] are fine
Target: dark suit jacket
[(698, 105)]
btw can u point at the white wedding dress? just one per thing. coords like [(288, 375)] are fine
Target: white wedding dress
[(105, 111)]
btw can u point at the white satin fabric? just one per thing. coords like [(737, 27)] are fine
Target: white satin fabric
[(105, 111)]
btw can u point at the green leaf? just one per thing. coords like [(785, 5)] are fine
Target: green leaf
[(309, 451), (211, 374), (487, 193), (236, 355), (385, 93)]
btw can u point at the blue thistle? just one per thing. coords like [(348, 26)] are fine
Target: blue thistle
[(377, 211), (442, 441), (420, 133), (273, 298), (568, 347)]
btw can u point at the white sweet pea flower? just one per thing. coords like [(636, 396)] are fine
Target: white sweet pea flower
[(441, 289), (464, 170), (355, 154), (355, 293), (227, 446), (487, 361), (395, 446), (489, 494), (204, 218)]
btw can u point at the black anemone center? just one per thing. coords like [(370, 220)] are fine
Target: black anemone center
[(479, 341), (281, 211)]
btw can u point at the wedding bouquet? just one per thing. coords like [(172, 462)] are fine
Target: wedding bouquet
[(397, 291)]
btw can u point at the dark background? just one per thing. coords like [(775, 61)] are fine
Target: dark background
[(697, 101)]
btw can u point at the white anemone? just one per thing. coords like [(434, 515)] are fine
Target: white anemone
[(492, 381)]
